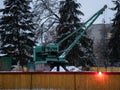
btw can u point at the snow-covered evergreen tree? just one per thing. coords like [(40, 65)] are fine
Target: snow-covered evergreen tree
[(114, 44), (17, 30), (69, 21)]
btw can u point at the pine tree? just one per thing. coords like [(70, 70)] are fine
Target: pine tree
[(114, 43), (69, 21), (17, 30)]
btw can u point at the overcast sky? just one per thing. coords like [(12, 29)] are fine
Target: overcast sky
[(89, 7)]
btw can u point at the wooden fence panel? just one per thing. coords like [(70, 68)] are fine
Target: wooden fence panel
[(55, 81), (95, 81), (7, 81), (25, 80), (81, 81), (114, 81), (60, 81), (1, 81), (14, 81)]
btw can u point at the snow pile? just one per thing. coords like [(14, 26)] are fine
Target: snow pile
[(2, 55), (74, 69), (69, 68)]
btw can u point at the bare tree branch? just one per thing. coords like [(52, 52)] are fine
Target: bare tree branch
[(50, 9)]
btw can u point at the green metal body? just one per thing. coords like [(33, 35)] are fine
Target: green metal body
[(50, 53), (52, 48), (31, 66), (5, 63), (39, 54)]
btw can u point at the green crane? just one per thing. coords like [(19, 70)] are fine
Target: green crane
[(50, 53)]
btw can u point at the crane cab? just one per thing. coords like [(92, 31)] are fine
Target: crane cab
[(52, 50), (39, 54)]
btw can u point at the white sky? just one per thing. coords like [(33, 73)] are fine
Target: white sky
[(89, 7)]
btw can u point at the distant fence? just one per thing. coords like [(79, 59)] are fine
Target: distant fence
[(105, 69), (60, 80)]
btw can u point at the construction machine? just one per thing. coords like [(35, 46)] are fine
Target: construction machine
[(50, 53)]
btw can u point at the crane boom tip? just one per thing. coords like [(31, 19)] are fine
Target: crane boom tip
[(105, 6)]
